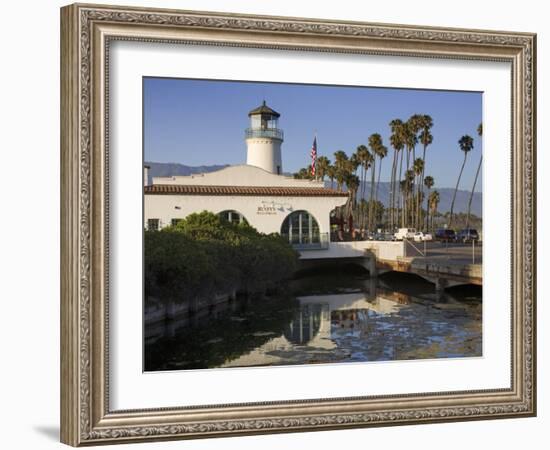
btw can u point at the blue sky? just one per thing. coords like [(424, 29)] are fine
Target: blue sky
[(202, 122)]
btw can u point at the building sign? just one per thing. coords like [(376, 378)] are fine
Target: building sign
[(266, 210), (272, 208)]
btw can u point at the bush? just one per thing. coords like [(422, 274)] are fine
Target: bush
[(203, 254)]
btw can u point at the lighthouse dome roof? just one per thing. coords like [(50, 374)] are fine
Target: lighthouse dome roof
[(263, 109)]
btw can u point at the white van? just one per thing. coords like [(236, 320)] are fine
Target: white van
[(405, 233), (419, 236)]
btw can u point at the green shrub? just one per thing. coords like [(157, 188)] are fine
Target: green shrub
[(203, 254)]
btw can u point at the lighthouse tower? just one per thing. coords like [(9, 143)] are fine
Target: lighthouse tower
[(264, 139)]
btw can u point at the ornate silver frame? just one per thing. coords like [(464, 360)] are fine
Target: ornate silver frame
[(86, 31)]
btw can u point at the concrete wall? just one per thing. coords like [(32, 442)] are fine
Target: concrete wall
[(381, 249), (266, 214)]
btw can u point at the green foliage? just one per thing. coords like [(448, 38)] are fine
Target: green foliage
[(304, 174), (204, 254), (377, 211)]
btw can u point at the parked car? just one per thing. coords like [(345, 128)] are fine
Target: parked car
[(445, 235), (388, 237), (467, 235), (419, 236), (382, 237), (404, 233)]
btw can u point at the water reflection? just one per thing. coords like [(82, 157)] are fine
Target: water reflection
[(365, 321)]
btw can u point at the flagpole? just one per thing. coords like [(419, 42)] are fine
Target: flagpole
[(316, 152)]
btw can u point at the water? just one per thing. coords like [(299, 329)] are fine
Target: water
[(328, 318)]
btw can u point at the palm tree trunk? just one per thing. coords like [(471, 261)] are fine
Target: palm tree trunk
[(472, 193), (361, 194), (392, 181), (419, 201), (428, 210), (456, 189), (378, 182), (423, 172), (427, 220), (405, 211), (373, 174), (377, 186), (400, 197), (415, 201), (363, 190)]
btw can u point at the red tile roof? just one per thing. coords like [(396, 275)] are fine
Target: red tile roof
[(273, 191)]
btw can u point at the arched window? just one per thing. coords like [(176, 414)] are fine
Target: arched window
[(232, 216), (300, 227)]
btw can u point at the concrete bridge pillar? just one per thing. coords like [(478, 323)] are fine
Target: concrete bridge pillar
[(440, 285), (370, 263), (371, 266), (371, 284)]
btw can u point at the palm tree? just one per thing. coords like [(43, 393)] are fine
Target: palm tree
[(304, 173), (412, 127), (352, 183), (433, 202), (428, 182), (354, 163), (415, 124), (406, 189), (418, 168), (340, 163), (322, 165), (381, 152), (368, 165), (398, 143), (375, 142), (480, 134), (363, 157), (331, 174), (466, 144), (411, 139), (426, 138)]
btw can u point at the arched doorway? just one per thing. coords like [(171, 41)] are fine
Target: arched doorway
[(232, 216), (301, 228)]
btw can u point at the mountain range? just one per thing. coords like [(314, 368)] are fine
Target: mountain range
[(445, 193)]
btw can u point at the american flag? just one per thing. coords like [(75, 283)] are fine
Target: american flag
[(313, 156)]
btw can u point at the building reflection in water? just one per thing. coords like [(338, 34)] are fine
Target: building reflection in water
[(309, 320), (363, 323), (317, 325)]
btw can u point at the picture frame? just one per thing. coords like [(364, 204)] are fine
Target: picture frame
[(87, 31)]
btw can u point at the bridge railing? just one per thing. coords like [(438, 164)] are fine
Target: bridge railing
[(411, 245), (317, 242)]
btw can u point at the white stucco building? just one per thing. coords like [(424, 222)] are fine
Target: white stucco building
[(255, 191)]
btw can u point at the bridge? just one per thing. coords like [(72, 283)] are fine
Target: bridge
[(443, 264)]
